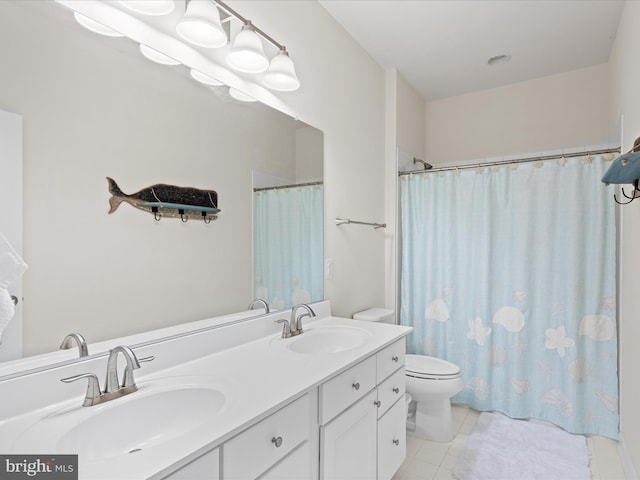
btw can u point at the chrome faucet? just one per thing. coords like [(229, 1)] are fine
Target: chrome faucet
[(259, 301), (113, 388), (296, 321), (112, 384), (79, 340)]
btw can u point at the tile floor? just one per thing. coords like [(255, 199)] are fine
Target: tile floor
[(434, 461)]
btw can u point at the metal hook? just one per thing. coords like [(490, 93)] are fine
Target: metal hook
[(632, 197), (182, 217), (205, 219)]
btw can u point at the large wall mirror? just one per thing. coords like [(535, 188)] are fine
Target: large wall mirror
[(92, 108)]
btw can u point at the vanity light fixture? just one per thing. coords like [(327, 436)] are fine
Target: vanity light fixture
[(94, 26), (201, 26), (281, 74), (149, 7), (260, 62), (204, 78), (156, 56), (247, 53)]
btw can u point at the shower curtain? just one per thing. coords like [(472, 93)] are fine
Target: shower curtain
[(509, 272), (288, 236)]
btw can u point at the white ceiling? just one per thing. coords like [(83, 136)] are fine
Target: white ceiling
[(441, 47)]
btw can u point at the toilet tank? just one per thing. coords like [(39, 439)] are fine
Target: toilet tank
[(383, 315)]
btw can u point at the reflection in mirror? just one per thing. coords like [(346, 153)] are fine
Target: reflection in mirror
[(288, 227), (92, 108)]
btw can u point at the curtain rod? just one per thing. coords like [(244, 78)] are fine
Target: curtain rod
[(510, 162), (293, 185)]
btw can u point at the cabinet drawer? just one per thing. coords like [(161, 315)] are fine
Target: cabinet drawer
[(390, 391), (343, 390), (255, 450), (392, 440), (295, 466), (390, 359)]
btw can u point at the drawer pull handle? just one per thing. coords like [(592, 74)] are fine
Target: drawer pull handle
[(377, 403), (395, 358), (277, 441), (396, 390), (396, 442), (356, 385)]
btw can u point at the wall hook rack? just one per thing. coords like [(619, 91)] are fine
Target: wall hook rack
[(171, 201), (346, 221)]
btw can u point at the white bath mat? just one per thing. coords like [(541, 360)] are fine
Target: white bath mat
[(501, 448)]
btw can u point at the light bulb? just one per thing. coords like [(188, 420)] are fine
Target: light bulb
[(247, 54), (200, 25), (281, 74)]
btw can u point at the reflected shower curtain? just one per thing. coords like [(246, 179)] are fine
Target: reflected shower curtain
[(288, 238), (509, 272)]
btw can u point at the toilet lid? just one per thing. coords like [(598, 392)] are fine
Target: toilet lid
[(421, 365)]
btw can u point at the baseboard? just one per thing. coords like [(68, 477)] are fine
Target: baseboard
[(630, 471)]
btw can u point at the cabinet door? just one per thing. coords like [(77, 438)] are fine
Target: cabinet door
[(392, 440), (295, 466), (348, 443)]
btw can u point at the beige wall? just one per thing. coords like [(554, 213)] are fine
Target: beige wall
[(567, 110), (411, 119), (405, 131), (626, 102)]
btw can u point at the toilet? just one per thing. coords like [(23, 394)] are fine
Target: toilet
[(431, 382)]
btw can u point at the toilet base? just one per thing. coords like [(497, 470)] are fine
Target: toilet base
[(434, 421)]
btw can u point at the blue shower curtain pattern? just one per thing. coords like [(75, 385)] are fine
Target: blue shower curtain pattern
[(288, 245), (509, 272)]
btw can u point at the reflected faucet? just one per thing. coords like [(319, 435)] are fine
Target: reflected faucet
[(259, 301), (296, 321), (79, 340), (113, 388)]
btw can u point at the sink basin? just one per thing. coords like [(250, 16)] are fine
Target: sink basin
[(161, 411), (323, 340)]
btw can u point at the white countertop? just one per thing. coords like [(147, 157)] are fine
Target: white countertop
[(257, 379)]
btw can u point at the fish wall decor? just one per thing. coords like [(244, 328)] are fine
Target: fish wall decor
[(168, 201)]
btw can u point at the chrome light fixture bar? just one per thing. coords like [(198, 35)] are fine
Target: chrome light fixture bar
[(247, 54), (163, 42)]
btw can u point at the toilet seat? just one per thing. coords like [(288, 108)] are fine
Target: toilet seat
[(430, 368)]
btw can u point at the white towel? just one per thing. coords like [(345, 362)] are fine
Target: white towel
[(11, 268)]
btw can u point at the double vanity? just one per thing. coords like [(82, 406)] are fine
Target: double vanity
[(236, 401)]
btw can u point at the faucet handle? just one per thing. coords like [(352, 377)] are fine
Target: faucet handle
[(93, 387), (286, 328), (127, 377)]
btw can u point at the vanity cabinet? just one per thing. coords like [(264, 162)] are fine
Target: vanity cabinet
[(354, 424), (363, 419)]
